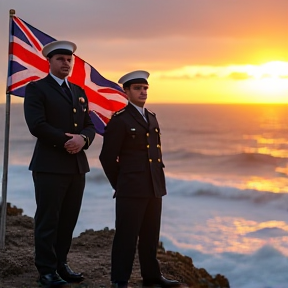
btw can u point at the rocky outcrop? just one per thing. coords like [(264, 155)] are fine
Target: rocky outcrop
[(90, 253)]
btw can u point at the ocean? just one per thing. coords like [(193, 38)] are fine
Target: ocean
[(226, 172)]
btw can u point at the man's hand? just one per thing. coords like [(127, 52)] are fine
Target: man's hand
[(75, 144)]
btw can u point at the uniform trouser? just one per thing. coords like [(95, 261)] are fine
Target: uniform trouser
[(58, 199), (136, 219)]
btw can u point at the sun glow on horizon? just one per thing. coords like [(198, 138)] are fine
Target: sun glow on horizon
[(269, 79), (264, 83), (273, 69)]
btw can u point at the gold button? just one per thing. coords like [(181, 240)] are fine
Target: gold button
[(84, 109), (74, 110), (158, 146), (150, 160), (156, 130), (75, 124), (147, 134), (148, 146), (159, 160)]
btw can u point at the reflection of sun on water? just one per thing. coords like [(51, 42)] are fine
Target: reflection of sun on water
[(275, 185), (236, 235), (267, 145)]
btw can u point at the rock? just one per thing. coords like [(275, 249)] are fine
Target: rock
[(11, 210), (90, 253)]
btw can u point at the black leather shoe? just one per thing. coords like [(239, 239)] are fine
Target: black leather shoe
[(68, 274), (51, 280), (162, 281), (119, 284)]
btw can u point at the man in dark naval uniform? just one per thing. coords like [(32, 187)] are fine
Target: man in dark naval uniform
[(56, 112), (132, 160)]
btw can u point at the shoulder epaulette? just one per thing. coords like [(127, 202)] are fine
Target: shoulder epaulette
[(151, 112), (119, 112)]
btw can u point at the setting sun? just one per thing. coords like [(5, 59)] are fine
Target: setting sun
[(263, 83), (270, 81), (273, 69)]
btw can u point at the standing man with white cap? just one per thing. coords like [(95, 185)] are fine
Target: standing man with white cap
[(56, 112), (132, 161)]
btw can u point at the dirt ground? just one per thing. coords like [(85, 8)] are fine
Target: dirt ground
[(89, 254)]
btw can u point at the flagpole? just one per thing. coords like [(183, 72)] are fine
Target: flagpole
[(6, 150)]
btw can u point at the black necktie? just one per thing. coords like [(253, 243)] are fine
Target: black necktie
[(66, 90), (145, 115)]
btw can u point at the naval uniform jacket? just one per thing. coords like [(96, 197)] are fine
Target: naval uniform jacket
[(49, 114), (131, 154)]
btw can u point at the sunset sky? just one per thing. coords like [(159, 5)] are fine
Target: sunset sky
[(197, 51)]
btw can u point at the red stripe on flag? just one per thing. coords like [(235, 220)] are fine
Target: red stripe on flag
[(30, 57), (98, 99), (78, 72), (112, 91), (30, 36), (22, 83), (103, 118)]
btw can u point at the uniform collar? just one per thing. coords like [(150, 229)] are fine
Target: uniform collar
[(58, 80), (140, 109)]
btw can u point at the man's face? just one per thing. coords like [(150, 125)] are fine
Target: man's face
[(60, 65), (137, 94)]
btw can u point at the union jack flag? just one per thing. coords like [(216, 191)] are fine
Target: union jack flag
[(26, 63)]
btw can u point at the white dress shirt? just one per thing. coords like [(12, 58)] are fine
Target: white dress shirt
[(141, 110), (59, 80)]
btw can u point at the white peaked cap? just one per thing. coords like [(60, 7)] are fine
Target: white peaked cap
[(62, 46), (139, 74)]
